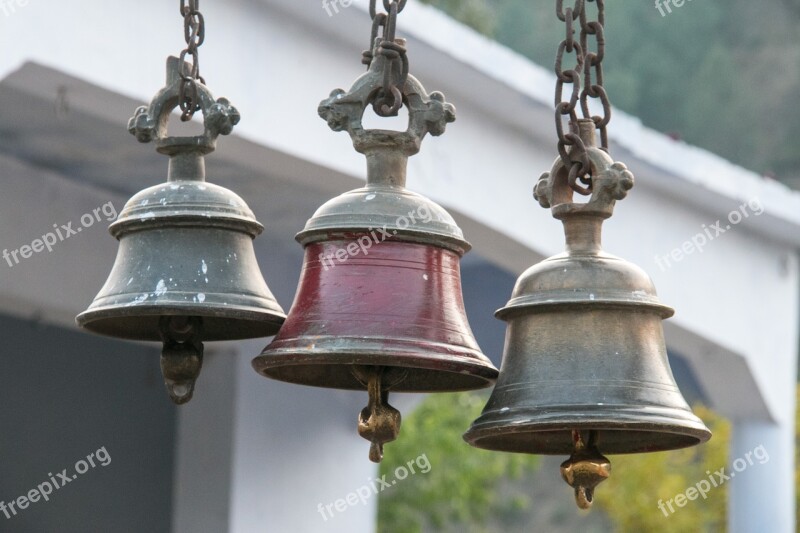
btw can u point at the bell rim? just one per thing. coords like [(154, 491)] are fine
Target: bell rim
[(681, 423), (262, 322), (472, 364)]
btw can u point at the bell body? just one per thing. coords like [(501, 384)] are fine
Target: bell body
[(379, 304), (380, 287), (585, 352), (585, 364), (185, 249)]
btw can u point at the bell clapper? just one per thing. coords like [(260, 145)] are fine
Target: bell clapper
[(378, 422), (181, 355), (585, 469)]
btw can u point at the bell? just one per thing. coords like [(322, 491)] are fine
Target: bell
[(186, 271), (585, 365), (379, 303)]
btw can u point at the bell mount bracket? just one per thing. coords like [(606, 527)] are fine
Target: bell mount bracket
[(149, 123), (610, 182), (427, 113)]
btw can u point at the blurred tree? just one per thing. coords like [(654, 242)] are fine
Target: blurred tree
[(638, 482), (725, 77), (461, 490), (468, 490)]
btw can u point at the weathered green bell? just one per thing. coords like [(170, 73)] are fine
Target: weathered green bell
[(585, 365), (186, 271)]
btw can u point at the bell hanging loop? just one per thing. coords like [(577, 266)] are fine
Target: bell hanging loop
[(186, 270)]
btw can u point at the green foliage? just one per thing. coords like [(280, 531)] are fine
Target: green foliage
[(723, 76), (461, 491), (638, 482), (468, 490)]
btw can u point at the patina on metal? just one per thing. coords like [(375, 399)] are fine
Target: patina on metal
[(379, 303), (585, 365), (186, 271)]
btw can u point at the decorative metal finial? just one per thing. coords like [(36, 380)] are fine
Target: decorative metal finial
[(585, 469), (378, 422)]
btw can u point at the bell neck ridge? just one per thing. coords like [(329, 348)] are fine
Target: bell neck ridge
[(386, 167), (187, 165)]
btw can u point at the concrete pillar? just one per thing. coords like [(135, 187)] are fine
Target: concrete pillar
[(761, 494)]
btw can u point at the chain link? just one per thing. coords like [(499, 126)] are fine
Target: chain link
[(389, 99), (194, 31), (593, 65), (586, 79)]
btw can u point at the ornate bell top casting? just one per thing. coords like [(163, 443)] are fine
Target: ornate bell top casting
[(149, 123), (385, 202), (186, 271)]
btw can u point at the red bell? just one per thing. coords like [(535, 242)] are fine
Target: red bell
[(379, 304)]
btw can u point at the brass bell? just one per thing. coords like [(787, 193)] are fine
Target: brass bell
[(186, 271), (585, 365), (379, 303)]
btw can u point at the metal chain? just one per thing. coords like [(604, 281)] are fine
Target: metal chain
[(593, 87), (389, 99), (586, 78), (194, 31)]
